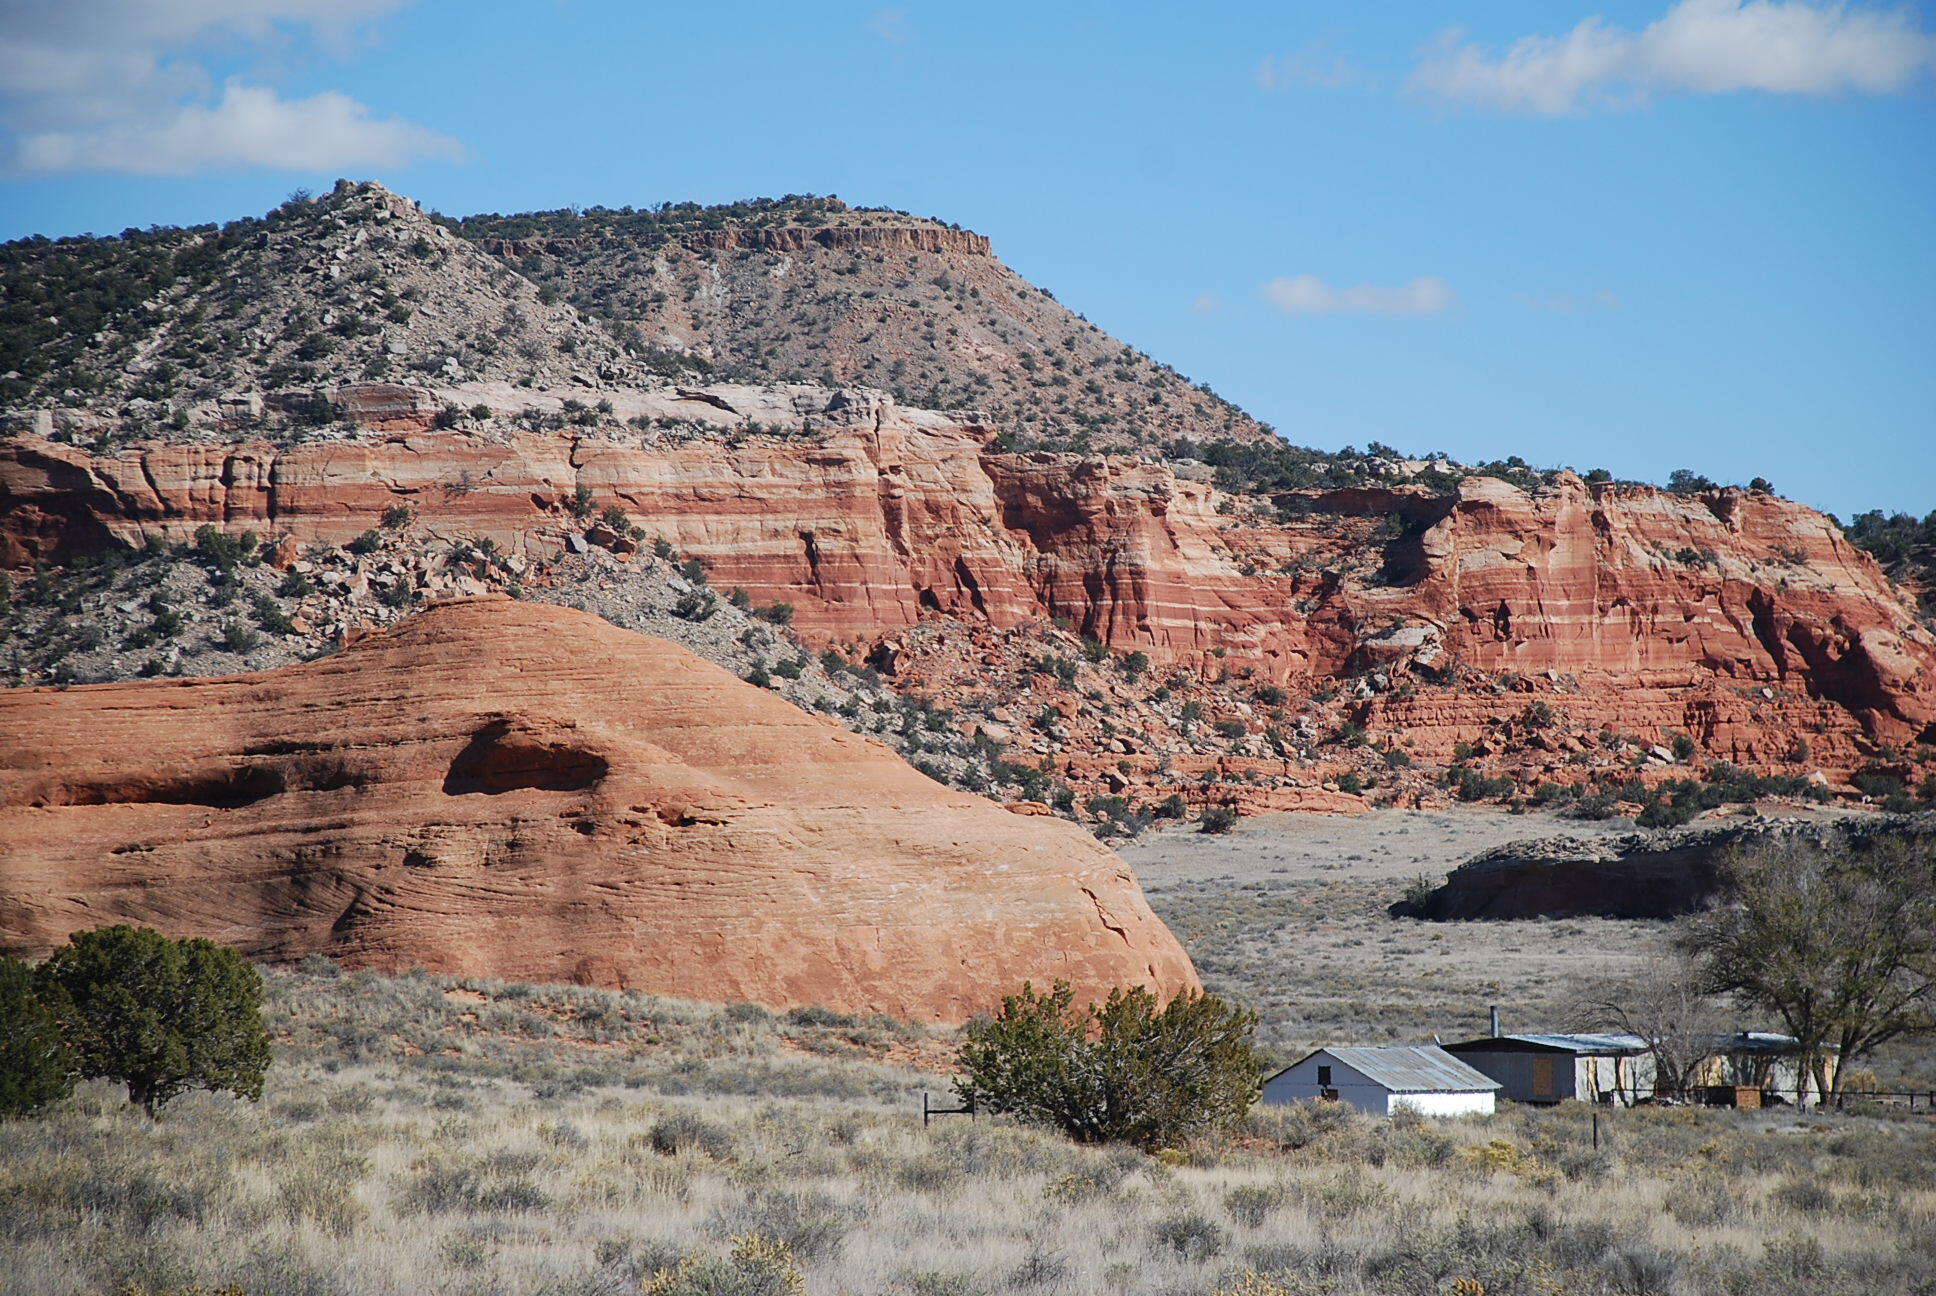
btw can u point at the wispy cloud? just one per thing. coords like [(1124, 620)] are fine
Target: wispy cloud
[(1312, 68), (1698, 46), (1206, 304), (891, 25), (121, 85), (1307, 294)]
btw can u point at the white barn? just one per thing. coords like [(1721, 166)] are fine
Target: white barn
[(1423, 1077)]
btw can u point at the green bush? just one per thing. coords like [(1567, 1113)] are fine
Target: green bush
[(162, 1016), (239, 638), (1126, 1070), (1218, 819), (36, 1067)]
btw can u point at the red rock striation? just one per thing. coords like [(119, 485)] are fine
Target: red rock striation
[(1740, 618), (516, 790)]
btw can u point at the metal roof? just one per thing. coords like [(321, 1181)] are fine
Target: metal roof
[(1586, 1045), (1412, 1068), (1759, 1042)]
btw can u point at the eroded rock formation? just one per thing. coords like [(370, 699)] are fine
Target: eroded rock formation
[(516, 790), (1741, 619)]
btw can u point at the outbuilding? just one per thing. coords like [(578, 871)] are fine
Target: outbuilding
[(1612, 1068), (1382, 1079)]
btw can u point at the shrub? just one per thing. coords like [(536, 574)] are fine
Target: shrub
[(757, 1266), (238, 638), (777, 613), (1125, 1070), (1218, 819), (270, 616), (222, 551), (1190, 1236), (163, 1016), (36, 1067), (296, 585), (396, 517), (1251, 1204), (367, 543), (809, 1224), (696, 606), (685, 1132)]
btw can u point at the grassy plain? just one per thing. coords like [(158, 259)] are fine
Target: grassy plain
[(433, 1135)]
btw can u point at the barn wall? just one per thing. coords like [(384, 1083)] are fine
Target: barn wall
[(1301, 1083), (1444, 1104), (1514, 1071)]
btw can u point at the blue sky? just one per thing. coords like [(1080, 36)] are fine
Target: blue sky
[(1686, 233)]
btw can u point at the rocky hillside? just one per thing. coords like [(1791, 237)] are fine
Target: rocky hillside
[(358, 285), (810, 290)]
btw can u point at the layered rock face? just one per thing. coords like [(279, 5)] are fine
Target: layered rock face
[(1741, 619), (514, 790)]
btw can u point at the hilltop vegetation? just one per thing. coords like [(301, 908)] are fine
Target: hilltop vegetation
[(1905, 547)]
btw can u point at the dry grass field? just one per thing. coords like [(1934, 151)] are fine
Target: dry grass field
[(1287, 913), (431, 1135)]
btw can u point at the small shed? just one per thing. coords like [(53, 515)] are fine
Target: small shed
[(1616, 1069), (1380, 1080)]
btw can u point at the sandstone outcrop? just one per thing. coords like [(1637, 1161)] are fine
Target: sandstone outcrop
[(1641, 875), (1741, 619), (515, 790)]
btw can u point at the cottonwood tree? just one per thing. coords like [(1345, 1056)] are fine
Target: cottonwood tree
[(1667, 1005), (162, 1016), (1131, 1069), (1841, 945)]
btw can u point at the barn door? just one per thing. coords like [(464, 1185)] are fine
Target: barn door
[(1543, 1084)]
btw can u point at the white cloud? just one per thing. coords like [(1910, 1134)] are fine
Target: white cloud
[(122, 85), (251, 126), (1206, 304), (1307, 294), (891, 25), (1701, 46)]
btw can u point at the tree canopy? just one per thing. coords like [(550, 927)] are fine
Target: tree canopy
[(1841, 945), (162, 1016), (36, 1067)]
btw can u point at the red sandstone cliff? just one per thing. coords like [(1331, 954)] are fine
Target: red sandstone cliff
[(1739, 617), (515, 790)]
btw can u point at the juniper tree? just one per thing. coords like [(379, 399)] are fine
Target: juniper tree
[(162, 1016)]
